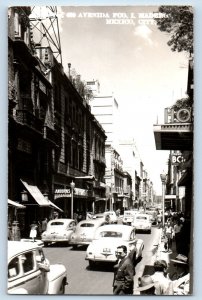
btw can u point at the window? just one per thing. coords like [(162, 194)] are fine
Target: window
[(111, 234), (57, 223), (13, 268), (87, 225), (27, 261)]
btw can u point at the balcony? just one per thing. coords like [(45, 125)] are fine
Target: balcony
[(49, 134), (100, 160), (27, 118)]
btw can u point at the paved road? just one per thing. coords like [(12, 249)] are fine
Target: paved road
[(84, 281)]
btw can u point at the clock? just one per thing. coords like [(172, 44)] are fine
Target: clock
[(184, 115)]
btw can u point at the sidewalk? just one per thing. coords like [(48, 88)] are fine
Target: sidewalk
[(165, 255)]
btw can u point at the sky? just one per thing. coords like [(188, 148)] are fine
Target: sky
[(133, 62)]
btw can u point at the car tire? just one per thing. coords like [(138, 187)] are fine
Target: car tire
[(91, 264), (74, 247), (62, 288)]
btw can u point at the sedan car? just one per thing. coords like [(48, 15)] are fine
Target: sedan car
[(29, 272), (108, 238), (58, 230), (109, 216), (142, 222), (85, 231), (128, 216)]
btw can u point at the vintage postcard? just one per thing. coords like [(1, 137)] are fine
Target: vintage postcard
[(100, 150)]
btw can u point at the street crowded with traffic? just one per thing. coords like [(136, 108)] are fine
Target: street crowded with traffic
[(109, 246)]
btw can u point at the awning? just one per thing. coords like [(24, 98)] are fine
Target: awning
[(54, 206), (15, 204), (36, 194)]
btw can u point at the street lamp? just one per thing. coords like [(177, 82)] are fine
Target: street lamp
[(24, 196), (72, 185), (163, 180)]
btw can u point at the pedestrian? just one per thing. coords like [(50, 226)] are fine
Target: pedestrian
[(163, 285), (33, 231), (177, 234), (44, 224), (169, 232), (159, 220), (185, 237), (181, 265), (181, 285), (146, 285), (123, 273)]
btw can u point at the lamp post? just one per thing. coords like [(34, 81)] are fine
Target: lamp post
[(163, 180), (72, 185)]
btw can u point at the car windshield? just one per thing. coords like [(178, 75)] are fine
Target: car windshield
[(57, 223), (111, 234), (87, 225)]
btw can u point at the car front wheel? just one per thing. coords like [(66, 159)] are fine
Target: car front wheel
[(91, 263)]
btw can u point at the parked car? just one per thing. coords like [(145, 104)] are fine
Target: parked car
[(142, 222), (58, 230), (85, 231), (108, 238), (29, 272), (128, 216)]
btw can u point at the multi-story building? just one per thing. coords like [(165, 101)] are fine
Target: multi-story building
[(134, 166), (176, 134), (54, 139)]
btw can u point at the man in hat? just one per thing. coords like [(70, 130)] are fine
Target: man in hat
[(181, 286), (123, 274), (163, 285), (146, 285)]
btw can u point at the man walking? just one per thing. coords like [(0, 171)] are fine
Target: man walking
[(123, 274)]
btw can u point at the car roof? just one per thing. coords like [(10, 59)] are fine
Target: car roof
[(16, 247), (116, 227), (91, 221)]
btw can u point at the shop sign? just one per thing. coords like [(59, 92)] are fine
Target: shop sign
[(177, 159), (62, 193)]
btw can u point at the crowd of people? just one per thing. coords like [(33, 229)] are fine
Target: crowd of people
[(161, 282)]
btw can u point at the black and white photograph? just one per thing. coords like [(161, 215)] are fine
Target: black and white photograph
[(100, 150)]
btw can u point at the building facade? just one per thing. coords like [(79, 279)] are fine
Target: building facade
[(54, 139)]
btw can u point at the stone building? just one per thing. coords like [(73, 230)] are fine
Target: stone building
[(54, 139)]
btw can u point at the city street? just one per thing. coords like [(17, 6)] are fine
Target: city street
[(83, 280)]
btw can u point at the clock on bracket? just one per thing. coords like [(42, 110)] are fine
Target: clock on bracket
[(184, 115)]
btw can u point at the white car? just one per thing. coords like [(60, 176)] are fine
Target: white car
[(110, 216), (142, 222), (108, 238), (128, 216), (29, 272), (85, 231), (58, 230)]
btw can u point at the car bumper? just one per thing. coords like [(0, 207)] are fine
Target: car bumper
[(79, 242), (101, 258), (142, 228)]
